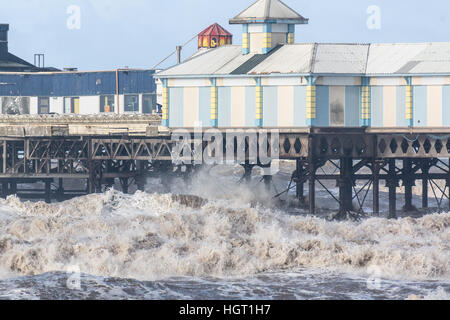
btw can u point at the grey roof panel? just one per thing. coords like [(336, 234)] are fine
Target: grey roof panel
[(254, 61), (340, 58), (207, 63), (408, 67), (409, 58), (294, 58), (264, 10), (363, 59)]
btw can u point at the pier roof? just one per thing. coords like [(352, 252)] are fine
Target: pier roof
[(268, 11), (394, 59)]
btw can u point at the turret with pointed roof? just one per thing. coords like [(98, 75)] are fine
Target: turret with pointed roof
[(268, 11), (266, 24), (213, 36)]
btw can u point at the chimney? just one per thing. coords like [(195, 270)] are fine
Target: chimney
[(4, 28)]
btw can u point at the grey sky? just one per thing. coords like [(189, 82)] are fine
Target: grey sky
[(139, 33)]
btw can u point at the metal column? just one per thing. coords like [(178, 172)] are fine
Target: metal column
[(376, 186), (408, 183), (345, 183), (312, 178), (392, 184), (425, 170), (48, 191), (300, 186)]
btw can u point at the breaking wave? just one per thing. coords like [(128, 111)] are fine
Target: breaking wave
[(154, 236)]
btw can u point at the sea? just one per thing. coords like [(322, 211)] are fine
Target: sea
[(218, 237)]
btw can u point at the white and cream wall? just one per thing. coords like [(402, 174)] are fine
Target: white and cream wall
[(338, 102), (88, 104)]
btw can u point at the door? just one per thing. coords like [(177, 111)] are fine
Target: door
[(44, 105), (337, 106), (76, 105), (67, 105), (148, 103)]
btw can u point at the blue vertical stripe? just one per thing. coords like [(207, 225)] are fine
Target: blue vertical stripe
[(446, 106), (270, 106), (204, 112), (176, 101), (323, 106), (377, 107), (401, 107), (224, 112), (300, 106), (420, 106), (352, 103), (250, 106)]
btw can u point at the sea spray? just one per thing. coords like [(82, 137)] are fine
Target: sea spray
[(151, 236)]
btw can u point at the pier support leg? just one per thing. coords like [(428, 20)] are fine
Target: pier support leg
[(392, 184), (60, 190), (48, 196), (164, 170), (267, 182), (425, 171), (13, 187), (448, 184), (91, 179), (312, 177), (140, 178), (5, 189), (312, 194), (376, 187), (300, 186), (248, 168), (124, 183), (345, 187), (187, 174), (91, 167), (408, 183)]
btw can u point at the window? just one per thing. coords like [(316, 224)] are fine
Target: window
[(337, 115), (72, 105), (149, 103), (15, 105), (132, 103), (107, 103), (43, 105), (67, 105)]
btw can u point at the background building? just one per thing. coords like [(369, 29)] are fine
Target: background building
[(10, 62), (28, 89), (78, 92)]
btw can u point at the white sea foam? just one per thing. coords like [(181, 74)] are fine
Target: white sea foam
[(150, 236)]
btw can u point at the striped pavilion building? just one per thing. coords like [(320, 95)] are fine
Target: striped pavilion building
[(270, 81)]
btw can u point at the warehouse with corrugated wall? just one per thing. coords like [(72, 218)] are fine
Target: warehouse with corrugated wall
[(78, 92)]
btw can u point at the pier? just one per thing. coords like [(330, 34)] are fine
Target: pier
[(129, 149)]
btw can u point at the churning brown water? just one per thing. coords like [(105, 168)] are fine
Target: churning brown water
[(230, 242)]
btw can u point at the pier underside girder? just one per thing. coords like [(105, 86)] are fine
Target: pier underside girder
[(360, 159)]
